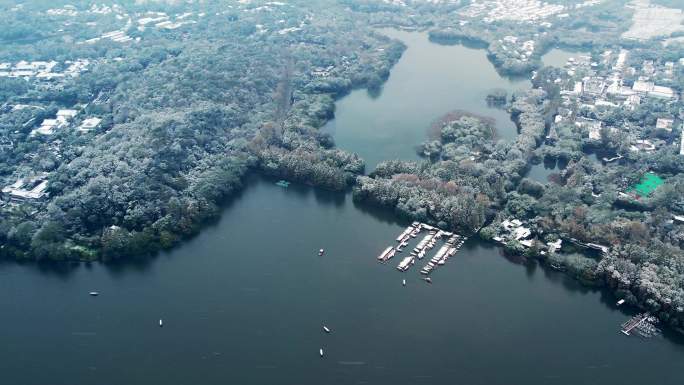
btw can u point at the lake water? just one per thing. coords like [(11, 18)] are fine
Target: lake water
[(429, 81), (245, 301), (557, 57), (540, 172)]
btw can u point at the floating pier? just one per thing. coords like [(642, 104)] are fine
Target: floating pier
[(633, 323), (447, 249), (387, 254), (643, 324), (405, 263)]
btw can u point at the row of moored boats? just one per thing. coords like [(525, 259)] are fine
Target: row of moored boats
[(427, 243), (453, 244)]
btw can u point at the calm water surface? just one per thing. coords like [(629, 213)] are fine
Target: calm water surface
[(429, 81), (245, 302), (557, 57)]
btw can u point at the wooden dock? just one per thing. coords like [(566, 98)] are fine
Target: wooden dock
[(633, 323), (387, 254), (451, 244)]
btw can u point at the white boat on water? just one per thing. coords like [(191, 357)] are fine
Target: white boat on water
[(405, 263), (403, 282), (94, 293), (161, 323), (320, 351), (620, 302), (326, 329), (321, 251)]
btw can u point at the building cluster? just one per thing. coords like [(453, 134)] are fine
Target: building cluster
[(63, 120), (405, 3), (514, 230), (161, 20), (517, 49), (44, 70), (511, 10), (102, 9), (322, 72), (333, 70), (610, 83), (32, 188), (67, 10), (118, 36), (141, 22)]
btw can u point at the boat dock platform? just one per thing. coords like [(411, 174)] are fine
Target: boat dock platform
[(643, 324), (453, 244), (406, 263), (435, 235), (387, 254), (633, 323)]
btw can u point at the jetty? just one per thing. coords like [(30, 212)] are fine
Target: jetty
[(405, 263), (449, 244), (633, 323), (643, 324), (387, 254), (406, 234)]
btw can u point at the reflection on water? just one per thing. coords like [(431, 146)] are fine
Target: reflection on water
[(252, 292), (541, 171), (429, 81), (557, 57)]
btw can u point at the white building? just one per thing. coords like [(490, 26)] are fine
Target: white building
[(64, 116), (643, 145), (89, 124), (664, 124), (593, 127), (46, 128), (650, 89), (662, 92), (555, 246), (521, 233), (27, 189), (642, 86)]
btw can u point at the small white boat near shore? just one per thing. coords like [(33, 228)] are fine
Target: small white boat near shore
[(403, 282), (320, 352), (326, 329)]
